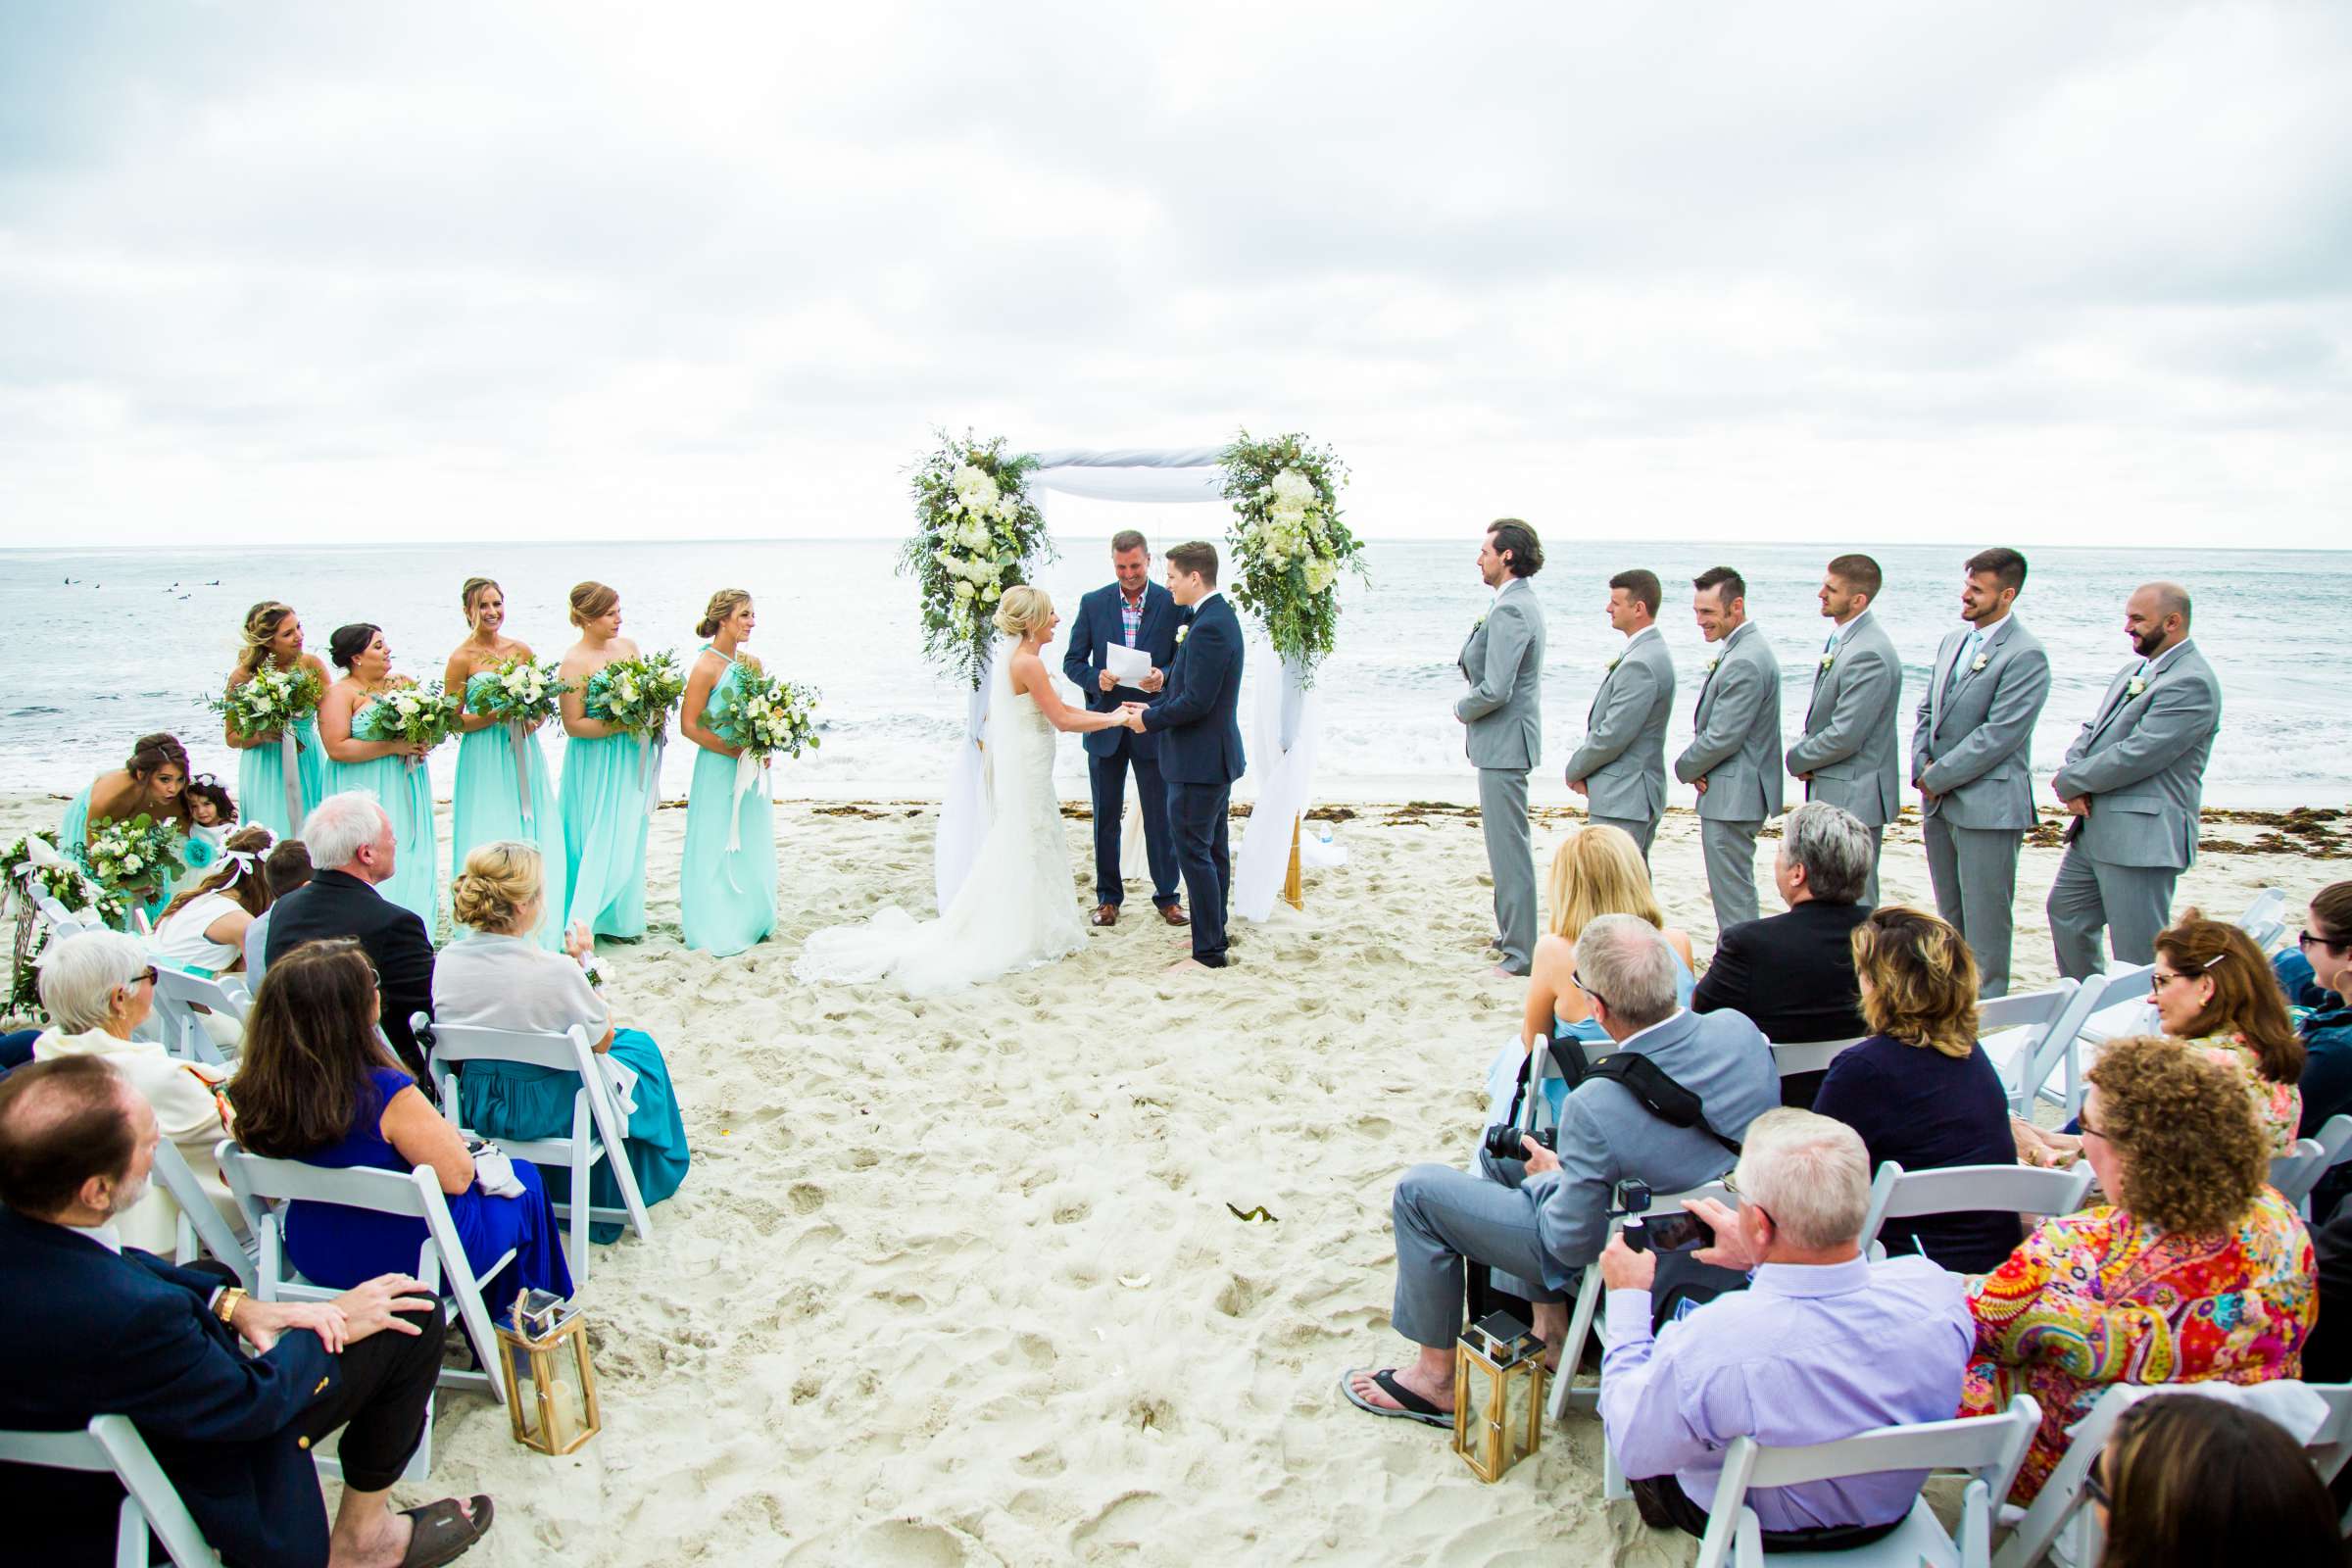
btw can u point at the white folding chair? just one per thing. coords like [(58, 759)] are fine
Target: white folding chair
[(201, 1227), (2012, 1028), (110, 1444), (2265, 920), (1589, 1291), (2104, 1006), (2297, 1171), (1989, 1448), (597, 1125), (1900, 1193), (1809, 1055), (178, 995), (262, 1184)]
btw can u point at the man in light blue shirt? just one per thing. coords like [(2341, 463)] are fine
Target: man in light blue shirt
[(1821, 1345)]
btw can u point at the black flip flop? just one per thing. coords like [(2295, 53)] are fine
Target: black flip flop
[(443, 1533), (1414, 1407)]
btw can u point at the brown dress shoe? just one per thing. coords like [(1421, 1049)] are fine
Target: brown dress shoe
[(1107, 914), (1173, 914)]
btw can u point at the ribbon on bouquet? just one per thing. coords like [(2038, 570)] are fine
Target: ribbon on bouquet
[(748, 773), (649, 769), (289, 751), (520, 738)]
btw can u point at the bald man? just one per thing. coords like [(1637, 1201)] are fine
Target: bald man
[(2134, 781)]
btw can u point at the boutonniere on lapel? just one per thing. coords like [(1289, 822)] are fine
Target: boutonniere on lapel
[(1712, 662), (1610, 669), (1829, 659), (1182, 632), (1478, 625), (1978, 669), (2136, 685)]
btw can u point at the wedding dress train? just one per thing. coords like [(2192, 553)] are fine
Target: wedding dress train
[(1016, 910)]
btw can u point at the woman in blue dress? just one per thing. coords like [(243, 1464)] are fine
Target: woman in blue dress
[(266, 793), (502, 788), (728, 881), (152, 782), (393, 771), (610, 781), (315, 1084)]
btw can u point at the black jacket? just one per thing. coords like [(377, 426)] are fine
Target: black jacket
[(1196, 713), (336, 903), (1792, 974)]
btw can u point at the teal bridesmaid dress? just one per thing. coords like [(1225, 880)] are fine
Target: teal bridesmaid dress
[(407, 796), (262, 781), (727, 897), (489, 805), (607, 780)]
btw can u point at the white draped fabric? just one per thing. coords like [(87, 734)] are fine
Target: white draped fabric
[(964, 816)]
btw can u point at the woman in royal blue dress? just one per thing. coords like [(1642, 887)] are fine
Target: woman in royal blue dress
[(315, 1084), (152, 782), (727, 879), (277, 782), (502, 788), (393, 771), (611, 778)]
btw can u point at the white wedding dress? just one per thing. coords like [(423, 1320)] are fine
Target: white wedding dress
[(1016, 910)]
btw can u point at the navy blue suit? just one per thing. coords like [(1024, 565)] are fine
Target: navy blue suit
[(1110, 752), (91, 1333), (1197, 717)]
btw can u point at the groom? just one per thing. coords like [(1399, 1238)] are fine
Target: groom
[(1200, 745), (1132, 613)]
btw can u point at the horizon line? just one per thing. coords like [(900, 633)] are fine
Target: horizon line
[(861, 539)]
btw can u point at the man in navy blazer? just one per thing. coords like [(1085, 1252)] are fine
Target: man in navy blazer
[(1196, 718), (97, 1329), (1132, 613)]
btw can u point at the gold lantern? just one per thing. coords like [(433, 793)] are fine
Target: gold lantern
[(1497, 1394), (551, 1387)]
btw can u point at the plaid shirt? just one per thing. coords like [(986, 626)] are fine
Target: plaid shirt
[(1131, 613)]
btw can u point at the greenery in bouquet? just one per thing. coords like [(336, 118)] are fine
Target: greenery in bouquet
[(135, 853), (270, 701), (977, 533), (71, 888), (418, 715), (764, 714), (517, 692), (635, 695), (1288, 543)]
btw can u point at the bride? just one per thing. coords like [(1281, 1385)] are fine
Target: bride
[(1016, 908)]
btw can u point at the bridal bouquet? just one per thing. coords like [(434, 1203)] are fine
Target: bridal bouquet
[(272, 700), (1288, 543), (135, 853), (977, 533), (635, 695), (517, 692), (421, 716), (28, 875), (764, 714)]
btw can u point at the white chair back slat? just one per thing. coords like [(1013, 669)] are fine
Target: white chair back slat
[(200, 1220), (110, 1444), (1900, 1193), (2265, 920), (178, 995), (2297, 1171), (1810, 1056), (1588, 1293)]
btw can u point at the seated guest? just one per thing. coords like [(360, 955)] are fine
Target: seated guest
[(1594, 872), (2316, 977), (2327, 1354), (353, 848), (285, 868), (313, 1085), (96, 1327), (2193, 1270), (1821, 1345), (1920, 1089), (1794, 974), (2195, 1483), (497, 976), (1539, 1223), (204, 929), (100, 987)]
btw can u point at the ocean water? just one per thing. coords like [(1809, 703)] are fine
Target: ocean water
[(101, 646)]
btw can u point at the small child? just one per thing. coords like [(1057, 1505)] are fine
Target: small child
[(212, 814)]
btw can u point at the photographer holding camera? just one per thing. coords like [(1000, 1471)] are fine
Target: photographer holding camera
[(1539, 1220), (1821, 1345)]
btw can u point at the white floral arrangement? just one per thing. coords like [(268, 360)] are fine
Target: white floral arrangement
[(1289, 545), (270, 701), (135, 853), (977, 534), (421, 716), (517, 692), (2136, 685), (53, 876), (764, 714), (635, 695)]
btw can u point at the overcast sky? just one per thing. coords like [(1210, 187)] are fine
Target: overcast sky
[(1857, 272)]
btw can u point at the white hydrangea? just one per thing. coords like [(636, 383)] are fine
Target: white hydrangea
[(1293, 488)]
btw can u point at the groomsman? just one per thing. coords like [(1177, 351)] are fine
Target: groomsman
[(1132, 611), (1621, 767), (1503, 712), (1733, 758), (2134, 781), (1972, 760), (1850, 755)]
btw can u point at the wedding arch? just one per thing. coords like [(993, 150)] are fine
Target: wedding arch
[(982, 524)]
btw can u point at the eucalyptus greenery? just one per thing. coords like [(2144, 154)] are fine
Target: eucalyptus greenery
[(977, 534), (1288, 543)]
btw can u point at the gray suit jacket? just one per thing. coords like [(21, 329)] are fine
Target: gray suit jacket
[(2141, 760), (1736, 744), (1622, 762), (1504, 662), (1851, 745), (1973, 748)]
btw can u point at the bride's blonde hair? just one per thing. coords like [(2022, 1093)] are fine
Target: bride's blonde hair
[(1022, 611)]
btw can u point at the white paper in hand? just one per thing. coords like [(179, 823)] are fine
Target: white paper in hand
[(1127, 665)]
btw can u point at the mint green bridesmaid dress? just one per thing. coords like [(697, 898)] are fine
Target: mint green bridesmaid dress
[(407, 796), (607, 780), (261, 795), (491, 801), (727, 897)]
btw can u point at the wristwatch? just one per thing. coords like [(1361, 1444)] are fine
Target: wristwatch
[(225, 1306)]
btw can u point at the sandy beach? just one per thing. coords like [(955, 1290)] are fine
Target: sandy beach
[(962, 1281)]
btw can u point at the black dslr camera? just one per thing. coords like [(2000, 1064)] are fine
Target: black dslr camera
[(1503, 1140)]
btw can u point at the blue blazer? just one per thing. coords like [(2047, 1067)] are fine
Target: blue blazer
[(90, 1333), (1198, 714), (1100, 622)]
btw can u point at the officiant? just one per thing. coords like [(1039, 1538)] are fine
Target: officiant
[(1119, 653)]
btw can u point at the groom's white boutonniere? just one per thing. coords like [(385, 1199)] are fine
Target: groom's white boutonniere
[(1182, 632), (2136, 685)]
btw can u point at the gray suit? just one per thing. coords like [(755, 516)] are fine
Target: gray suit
[(1622, 762), (2141, 760), (1851, 745), (1971, 747), (1736, 747), (1504, 709)]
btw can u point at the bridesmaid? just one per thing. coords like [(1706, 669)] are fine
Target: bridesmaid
[(393, 771), (607, 777), (494, 769), (274, 636), (155, 781), (727, 897)]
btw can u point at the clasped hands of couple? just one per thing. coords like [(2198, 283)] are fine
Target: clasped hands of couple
[(1129, 716)]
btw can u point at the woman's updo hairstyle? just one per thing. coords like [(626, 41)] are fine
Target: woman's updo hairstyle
[(589, 600), (499, 882), (150, 752), (349, 642), (1023, 611), (723, 604), (262, 623), (473, 586)]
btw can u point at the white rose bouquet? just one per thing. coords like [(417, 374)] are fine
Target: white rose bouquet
[(272, 700), (135, 853), (635, 695), (421, 716), (764, 716), (977, 534), (1288, 543), (518, 692)]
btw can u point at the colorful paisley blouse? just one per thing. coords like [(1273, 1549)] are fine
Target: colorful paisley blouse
[(2278, 1107)]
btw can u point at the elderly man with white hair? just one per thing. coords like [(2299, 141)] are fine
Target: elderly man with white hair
[(1821, 1345), (352, 849), (1538, 1223), (100, 987)]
